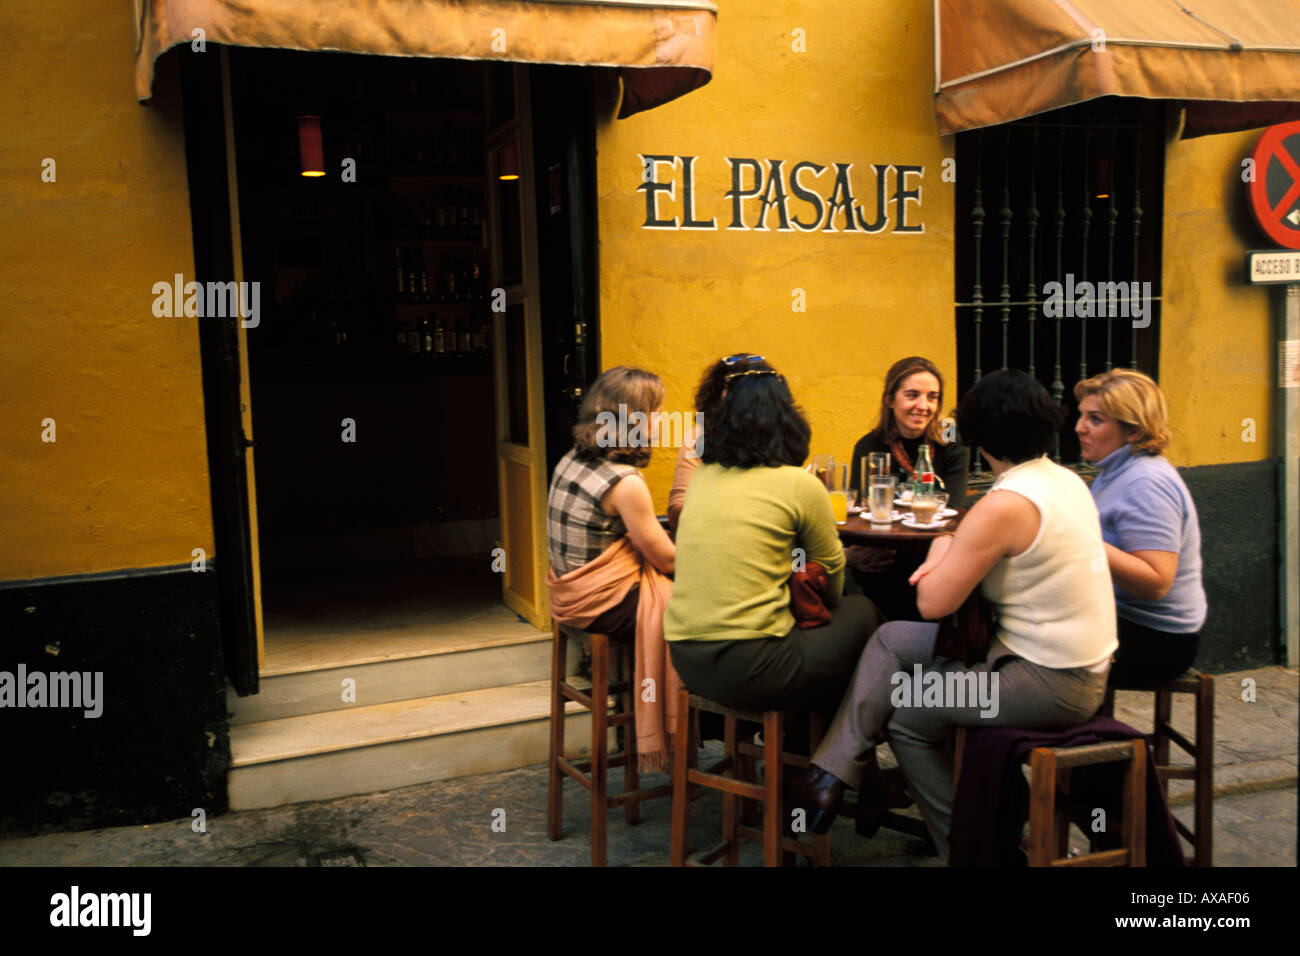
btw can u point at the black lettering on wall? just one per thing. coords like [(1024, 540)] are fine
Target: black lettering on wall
[(736, 194)]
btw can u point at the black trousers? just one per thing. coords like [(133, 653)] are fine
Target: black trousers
[(1148, 656), (804, 670)]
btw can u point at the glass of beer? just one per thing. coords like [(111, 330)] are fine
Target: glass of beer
[(823, 466), (880, 499)]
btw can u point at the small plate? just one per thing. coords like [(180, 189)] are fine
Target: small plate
[(905, 502), (947, 513), (895, 516), (910, 522)]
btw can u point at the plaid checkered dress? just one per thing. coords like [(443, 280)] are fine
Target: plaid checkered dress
[(579, 531)]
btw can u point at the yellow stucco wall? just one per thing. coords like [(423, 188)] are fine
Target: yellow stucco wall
[(1217, 334), (126, 483), (676, 301)]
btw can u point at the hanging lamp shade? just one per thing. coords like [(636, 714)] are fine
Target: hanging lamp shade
[(508, 162), (311, 150)]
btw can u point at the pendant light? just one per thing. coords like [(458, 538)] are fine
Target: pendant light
[(508, 162), (311, 150)]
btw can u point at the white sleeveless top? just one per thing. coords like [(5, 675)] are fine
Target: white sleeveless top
[(1055, 601)]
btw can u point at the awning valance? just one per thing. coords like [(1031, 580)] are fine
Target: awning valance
[(663, 48), (997, 62)]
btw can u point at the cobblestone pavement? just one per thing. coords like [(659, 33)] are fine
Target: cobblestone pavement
[(451, 823)]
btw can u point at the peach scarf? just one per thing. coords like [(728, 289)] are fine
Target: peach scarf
[(581, 596)]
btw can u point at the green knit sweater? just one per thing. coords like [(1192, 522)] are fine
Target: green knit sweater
[(735, 542)]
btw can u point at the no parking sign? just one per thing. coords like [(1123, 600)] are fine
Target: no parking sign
[(1275, 190)]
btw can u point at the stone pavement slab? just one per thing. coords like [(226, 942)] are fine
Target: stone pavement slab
[(450, 823)]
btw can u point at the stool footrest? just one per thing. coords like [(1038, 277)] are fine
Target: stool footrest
[(1101, 858), (740, 788), (1088, 754), (1176, 737)]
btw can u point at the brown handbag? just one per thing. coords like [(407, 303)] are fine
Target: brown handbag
[(965, 634), (806, 603)]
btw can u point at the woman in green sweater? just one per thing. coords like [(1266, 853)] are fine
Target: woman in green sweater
[(751, 517)]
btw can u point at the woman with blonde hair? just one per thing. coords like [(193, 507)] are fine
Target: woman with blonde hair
[(610, 558), (1149, 524)]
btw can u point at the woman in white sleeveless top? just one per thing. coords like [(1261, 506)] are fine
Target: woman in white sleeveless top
[(1033, 545)]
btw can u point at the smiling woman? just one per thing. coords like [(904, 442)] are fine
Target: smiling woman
[(910, 414)]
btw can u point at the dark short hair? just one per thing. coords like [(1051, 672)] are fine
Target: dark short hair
[(1010, 415), (756, 423)]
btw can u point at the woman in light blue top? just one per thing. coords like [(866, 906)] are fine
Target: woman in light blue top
[(1149, 524)]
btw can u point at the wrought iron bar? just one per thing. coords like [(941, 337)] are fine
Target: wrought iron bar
[(1137, 231), (977, 292), (1032, 226), (1112, 222), (1085, 215), (1058, 386), (1004, 213)]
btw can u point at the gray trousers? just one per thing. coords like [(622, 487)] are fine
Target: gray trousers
[(920, 730)]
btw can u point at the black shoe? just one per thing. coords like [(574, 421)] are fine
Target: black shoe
[(822, 793)]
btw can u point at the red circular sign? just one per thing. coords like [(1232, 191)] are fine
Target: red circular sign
[(1275, 190)]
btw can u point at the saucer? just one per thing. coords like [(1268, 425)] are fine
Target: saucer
[(910, 522)]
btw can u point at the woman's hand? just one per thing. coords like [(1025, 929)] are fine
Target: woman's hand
[(938, 548), (869, 559)]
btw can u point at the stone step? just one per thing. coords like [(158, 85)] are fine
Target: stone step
[(377, 747), (442, 663)]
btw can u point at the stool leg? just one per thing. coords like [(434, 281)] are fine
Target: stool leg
[(731, 802), (555, 783), (599, 746), (1135, 804), (681, 800), (773, 811), (1160, 742), (1203, 785), (1042, 806), (627, 703)]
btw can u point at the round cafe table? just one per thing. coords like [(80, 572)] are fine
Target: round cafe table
[(858, 530)]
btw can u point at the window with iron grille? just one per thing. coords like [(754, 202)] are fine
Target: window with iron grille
[(1071, 197)]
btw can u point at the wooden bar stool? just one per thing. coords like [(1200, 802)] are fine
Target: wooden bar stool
[(593, 772), (1201, 834), (1049, 821), (736, 757)]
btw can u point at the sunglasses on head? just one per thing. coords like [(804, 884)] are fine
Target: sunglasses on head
[(742, 357)]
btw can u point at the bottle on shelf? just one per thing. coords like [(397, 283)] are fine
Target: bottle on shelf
[(439, 335), (426, 337)]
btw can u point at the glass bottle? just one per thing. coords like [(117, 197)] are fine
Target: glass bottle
[(924, 470)]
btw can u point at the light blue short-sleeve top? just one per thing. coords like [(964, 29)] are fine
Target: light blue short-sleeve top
[(1145, 506)]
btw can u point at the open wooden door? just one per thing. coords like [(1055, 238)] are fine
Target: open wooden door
[(214, 207), (517, 333)]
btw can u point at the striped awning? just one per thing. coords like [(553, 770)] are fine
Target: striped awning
[(1235, 63), (662, 48)]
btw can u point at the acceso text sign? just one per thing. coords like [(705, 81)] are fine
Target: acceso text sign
[(1271, 267)]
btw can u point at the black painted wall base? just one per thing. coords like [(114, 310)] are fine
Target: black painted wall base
[(1239, 512), (161, 746)]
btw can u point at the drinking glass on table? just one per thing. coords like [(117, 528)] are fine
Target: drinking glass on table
[(877, 464), (880, 499), (925, 508), (823, 466), (839, 492)]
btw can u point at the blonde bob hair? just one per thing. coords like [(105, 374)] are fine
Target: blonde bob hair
[(1134, 400), (618, 395)]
